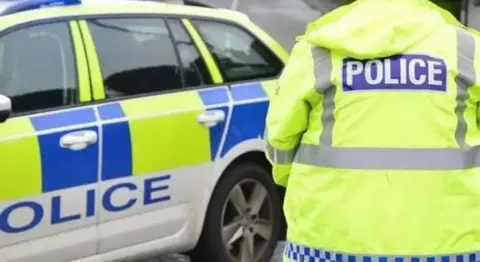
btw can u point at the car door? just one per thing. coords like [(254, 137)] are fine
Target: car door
[(250, 69), (159, 136), (48, 146)]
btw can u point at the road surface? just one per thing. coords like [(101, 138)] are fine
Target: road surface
[(277, 257)]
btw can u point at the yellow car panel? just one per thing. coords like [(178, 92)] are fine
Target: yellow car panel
[(153, 118), (20, 154)]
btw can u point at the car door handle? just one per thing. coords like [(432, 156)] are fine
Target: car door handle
[(78, 140), (211, 118)]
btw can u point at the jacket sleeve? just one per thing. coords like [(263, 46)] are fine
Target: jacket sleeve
[(287, 116)]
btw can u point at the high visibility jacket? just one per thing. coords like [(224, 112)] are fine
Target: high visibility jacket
[(373, 129)]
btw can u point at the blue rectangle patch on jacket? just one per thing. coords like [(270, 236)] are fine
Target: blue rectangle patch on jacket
[(400, 72)]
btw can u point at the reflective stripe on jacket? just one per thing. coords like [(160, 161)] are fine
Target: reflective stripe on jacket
[(309, 254), (374, 132)]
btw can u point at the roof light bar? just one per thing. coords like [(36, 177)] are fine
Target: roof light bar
[(25, 5)]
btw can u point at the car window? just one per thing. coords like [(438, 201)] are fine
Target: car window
[(136, 56), (1, 54), (239, 55), (38, 67), (194, 69)]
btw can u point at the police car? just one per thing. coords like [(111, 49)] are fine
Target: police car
[(130, 129)]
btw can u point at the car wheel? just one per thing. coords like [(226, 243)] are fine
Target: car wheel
[(243, 220)]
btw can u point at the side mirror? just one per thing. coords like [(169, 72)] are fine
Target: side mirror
[(5, 108)]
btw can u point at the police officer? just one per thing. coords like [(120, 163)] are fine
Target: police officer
[(373, 131)]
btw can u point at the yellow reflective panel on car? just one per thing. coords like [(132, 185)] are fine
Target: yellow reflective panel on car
[(20, 160), (165, 133)]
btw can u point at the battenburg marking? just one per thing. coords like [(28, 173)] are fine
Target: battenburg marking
[(400, 72)]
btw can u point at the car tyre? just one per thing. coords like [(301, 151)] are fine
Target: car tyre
[(232, 224)]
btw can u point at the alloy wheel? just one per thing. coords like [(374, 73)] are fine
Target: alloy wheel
[(247, 221)]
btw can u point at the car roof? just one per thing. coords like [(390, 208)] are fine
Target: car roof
[(112, 7)]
